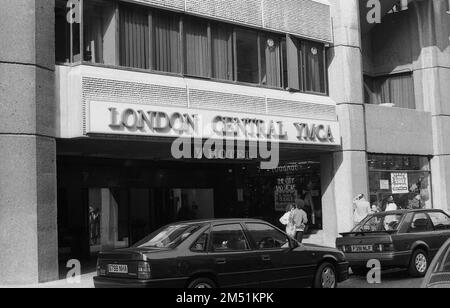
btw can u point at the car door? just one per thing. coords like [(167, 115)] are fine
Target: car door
[(282, 265), (422, 230), (235, 262), (441, 224)]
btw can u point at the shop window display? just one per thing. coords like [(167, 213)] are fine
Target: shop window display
[(406, 178), (271, 191)]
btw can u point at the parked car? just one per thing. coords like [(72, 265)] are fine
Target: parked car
[(438, 275), (400, 239), (221, 253)]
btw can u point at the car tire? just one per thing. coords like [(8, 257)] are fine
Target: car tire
[(202, 283), (326, 277), (419, 263)]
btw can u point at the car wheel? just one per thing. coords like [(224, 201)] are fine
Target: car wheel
[(201, 283), (326, 277), (418, 265)]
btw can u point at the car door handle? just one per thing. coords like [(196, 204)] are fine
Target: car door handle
[(265, 258), (221, 261)]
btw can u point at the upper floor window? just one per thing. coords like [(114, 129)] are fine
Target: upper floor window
[(395, 90), (124, 34)]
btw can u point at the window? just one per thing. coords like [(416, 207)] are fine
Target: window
[(137, 36), (168, 237), (271, 73), (134, 37), (406, 178), (266, 237), (381, 222), (247, 56), (443, 263), (440, 220), (314, 67), (201, 244), (229, 238), (222, 51), (396, 90), (196, 42), (99, 32), (420, 223), (166, 45)]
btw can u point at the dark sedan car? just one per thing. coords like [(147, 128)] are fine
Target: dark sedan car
[(221, 253), (400, 239), (438, 275)]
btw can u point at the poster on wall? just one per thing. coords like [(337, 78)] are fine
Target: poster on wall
[(399, 183), (285, 193)]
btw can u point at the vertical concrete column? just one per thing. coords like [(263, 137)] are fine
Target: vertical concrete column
[(432, 80), (28, 218), (348, 167)]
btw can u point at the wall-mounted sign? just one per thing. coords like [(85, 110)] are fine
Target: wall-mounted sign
[(399, 183), (147, 120), (384, 184)]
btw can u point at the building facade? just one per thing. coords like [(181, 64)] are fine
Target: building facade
[(95, 95)]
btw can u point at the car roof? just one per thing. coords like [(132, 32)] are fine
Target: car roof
[(411, 211), (218, 220)]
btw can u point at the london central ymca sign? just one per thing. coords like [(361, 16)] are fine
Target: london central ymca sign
[(131, 119)]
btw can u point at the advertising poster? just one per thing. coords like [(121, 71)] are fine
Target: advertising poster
[(399, 183), (285, 193)]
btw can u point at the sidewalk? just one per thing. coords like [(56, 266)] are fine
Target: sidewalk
[(86, 282)]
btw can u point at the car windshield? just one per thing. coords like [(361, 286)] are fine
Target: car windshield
[(168, 237), (379, 223), (443, 264)]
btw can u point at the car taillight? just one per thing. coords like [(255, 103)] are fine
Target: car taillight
[(100, 271), (144, 271), (383, 247)]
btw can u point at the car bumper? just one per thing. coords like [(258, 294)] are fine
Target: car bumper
[(108, 282), (386, 259), (342, 271)]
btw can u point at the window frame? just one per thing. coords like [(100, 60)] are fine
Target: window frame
[(253, 241), (430, 223), (211, 237), (281, 37)]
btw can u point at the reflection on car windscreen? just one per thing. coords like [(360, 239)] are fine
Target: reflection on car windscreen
[(443, 265), (379, 223), (167, 237)]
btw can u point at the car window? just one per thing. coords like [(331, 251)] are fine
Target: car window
[(267, 237), (380, 222), (229, 237), (201, 243), (168, 237), (420, 223), (440, 220)]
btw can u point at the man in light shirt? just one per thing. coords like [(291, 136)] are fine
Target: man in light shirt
[(300, 219)]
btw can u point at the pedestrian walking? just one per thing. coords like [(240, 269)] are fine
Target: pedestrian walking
[(288, 220), (391, 206), (300, 219)]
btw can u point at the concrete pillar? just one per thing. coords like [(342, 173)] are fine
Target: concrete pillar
[(432, 80), (28, 219), (348, 167)]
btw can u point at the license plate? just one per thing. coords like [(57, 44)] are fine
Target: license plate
[(118, 269), (362, 248)]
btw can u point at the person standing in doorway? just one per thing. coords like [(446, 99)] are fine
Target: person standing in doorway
[(300, 219)]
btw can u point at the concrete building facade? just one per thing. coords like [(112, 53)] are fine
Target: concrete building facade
[(93, 94)]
